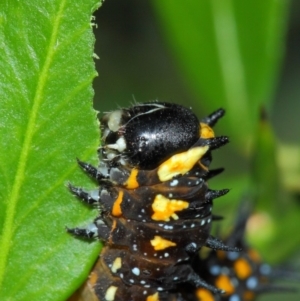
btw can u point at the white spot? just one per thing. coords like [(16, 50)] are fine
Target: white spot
[(144, 292), (192, 225), (202, 222), (94, 194), (160, 289), (209, 220), (175, 278), (170, 195), (166, 254), (136, 271), (234, 298), (131, 280), (110, 156), (215, 270), (121, 275), (143, 282), (174, 183), (232, 255), (110, 293), (252, 282)]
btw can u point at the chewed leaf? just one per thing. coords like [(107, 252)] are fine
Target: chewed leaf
[(46, 121)]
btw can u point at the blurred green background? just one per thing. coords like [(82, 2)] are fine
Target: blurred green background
[(239, 55)]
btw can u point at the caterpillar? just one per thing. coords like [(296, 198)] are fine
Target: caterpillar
[(155, 206)]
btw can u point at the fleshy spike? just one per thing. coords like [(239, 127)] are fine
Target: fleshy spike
[(217, 217), (213, 194), (217, 244), (216, 142), (89, 232), (88, 168), (83, 195), (213, 118), (214, 172)]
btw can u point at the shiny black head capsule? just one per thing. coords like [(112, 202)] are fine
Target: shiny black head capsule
[(147, 134)]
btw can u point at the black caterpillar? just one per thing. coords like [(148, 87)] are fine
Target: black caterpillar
[(155, 206)]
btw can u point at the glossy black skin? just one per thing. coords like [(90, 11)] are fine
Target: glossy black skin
[(153, 134)]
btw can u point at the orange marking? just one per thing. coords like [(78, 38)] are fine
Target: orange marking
[(159, 243), (204, 295), (206, 131), (242, 268), (153, 297), (132, 182), (117, 211), (223, 282), (93, 278), (165, 208), (180, 163), (113, 227)]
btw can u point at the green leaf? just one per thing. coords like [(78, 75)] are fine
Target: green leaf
[(46, 121), (230, 52)]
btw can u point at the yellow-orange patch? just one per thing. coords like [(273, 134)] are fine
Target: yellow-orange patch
[(132, 182), (117, 211), (223, 282), (153, 297), (159, 243), (180, 163), (165, 208), (242, 268), (203, 294), (206, 131)]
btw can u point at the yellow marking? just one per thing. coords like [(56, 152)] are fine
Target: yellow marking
[(153, 297), (117, 211), (116, 265), (242, 268), (132, 182), (165, 208), (110, 293), (160, 243), (204, 294), (206, 131), (223, 282), (180, 163)]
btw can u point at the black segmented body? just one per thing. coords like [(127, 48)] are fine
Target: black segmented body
[(155, 203)]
